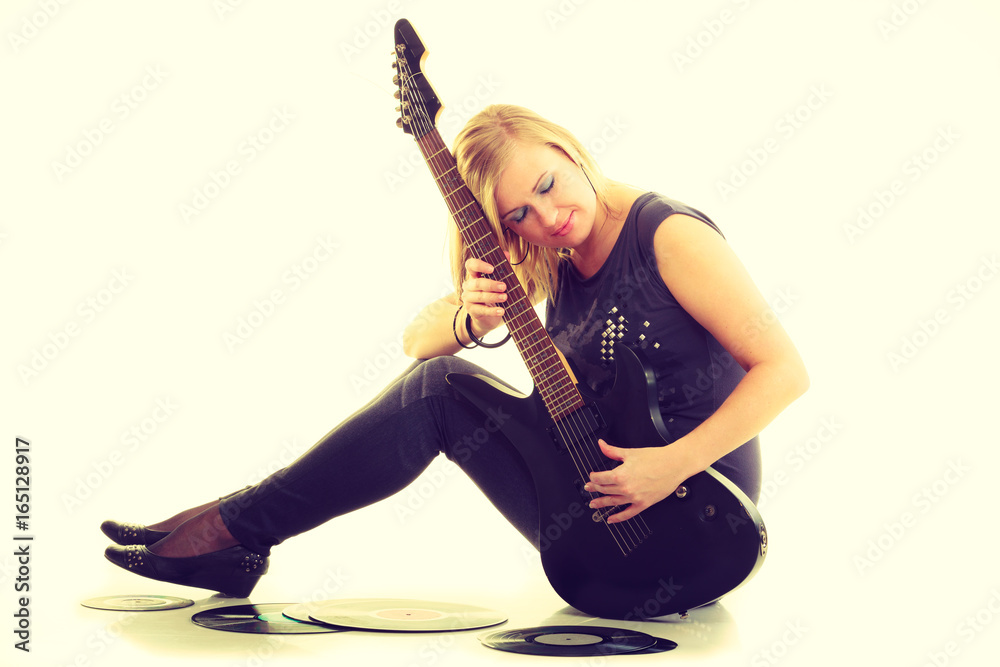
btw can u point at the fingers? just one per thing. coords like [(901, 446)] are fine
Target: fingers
[(625, 514), (482, 296), (610, 451), (633, 507)]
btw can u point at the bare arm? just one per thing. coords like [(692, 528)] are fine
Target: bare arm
[(432, 332), (711, 284)]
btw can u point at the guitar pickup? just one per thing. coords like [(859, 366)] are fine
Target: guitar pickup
[(577, 427)]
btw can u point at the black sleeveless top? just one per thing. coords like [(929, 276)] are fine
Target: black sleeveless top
[(627, 303)]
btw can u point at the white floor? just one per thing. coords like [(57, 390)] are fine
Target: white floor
[(491, 570)]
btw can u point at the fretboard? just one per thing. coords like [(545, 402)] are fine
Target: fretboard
[(550, 376)]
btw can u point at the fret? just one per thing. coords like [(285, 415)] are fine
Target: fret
[(459, 211), (468, 227), (484, 237), (518, 328), (539, 353), (434, 155)]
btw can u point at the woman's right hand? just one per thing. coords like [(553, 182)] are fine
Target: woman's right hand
[(483, 297)]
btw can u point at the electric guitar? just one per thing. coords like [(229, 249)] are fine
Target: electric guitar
[(689, 549)]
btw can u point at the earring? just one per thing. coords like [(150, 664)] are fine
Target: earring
[(522, 259), (525, 252), (587, 177)]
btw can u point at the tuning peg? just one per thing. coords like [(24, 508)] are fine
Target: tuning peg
[(399, 122), (396, 94), (395, 79), (395, 64)]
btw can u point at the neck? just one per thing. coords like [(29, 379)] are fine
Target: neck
[(590, 255)]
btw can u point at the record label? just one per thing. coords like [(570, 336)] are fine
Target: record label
[(405, 615), (137, 602), (260, 619), (571, 640)]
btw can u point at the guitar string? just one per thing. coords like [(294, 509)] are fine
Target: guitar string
[(571, 428), (620, 529)]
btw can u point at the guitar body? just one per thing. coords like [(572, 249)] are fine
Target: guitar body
[(699, 547)]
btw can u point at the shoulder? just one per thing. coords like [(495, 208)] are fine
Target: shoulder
[(683, 233), (651, 210), (690, 254)]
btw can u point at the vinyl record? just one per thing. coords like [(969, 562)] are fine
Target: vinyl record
[(405, 615), (261, 619), (303, 610), (662, 644), (569, 640), (137, 602)]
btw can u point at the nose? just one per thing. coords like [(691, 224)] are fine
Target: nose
[(549, 215)]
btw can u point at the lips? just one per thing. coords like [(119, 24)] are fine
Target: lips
[(565, 228)]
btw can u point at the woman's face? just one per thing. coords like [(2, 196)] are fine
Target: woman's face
[(545, 198)]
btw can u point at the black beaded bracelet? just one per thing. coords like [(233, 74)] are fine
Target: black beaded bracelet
[(454, 330), (472, 335)]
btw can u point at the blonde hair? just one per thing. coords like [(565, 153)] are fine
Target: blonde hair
[(483, 150)]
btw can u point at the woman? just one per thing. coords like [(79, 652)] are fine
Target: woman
[(618, 266)]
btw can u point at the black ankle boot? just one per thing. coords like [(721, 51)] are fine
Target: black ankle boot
[(131, 533), (233, 571)]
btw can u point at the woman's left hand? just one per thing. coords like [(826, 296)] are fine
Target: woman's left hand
[(646, 476)]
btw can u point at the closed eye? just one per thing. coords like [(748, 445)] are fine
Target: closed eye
[(519, 215)]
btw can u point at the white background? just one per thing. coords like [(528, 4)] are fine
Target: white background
[(810, 112)]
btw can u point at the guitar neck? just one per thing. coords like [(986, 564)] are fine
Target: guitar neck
[(550, 376)]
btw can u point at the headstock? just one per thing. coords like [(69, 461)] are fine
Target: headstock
[(419, 105)]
